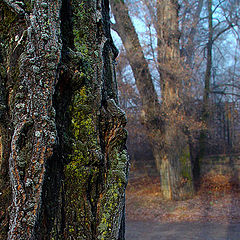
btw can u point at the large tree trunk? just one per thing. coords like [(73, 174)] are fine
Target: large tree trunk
[(176, 176), (62, 136), (175, 156), (172, 158)]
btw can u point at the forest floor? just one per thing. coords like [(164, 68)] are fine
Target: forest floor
[(212, 214), (217, 200)]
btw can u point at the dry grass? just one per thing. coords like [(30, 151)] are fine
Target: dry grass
[(218, 200)]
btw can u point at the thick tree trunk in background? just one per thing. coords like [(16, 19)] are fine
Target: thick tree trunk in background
[(176, 176), (175, 156), (62, 136), (168, 51)]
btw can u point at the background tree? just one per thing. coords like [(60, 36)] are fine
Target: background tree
[(63, 158), (169, 151), (188, 68), (130, 101)]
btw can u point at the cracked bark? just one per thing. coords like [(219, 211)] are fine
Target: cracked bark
[(59, 114)]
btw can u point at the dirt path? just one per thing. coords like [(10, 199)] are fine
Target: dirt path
[(140, 230)]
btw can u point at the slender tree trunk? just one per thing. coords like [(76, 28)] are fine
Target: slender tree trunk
[(207, 81), (139, 65), (62, 136), (209, 63)]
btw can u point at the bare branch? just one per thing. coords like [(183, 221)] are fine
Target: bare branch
[(225, 93), (227, 85), (220, 2), (223, 31)]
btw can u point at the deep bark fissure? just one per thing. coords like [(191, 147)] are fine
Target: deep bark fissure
[(5, 126), (68, 161)]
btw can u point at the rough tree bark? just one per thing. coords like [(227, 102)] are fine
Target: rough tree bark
[(168, 141), (175, 154), (63, 158)]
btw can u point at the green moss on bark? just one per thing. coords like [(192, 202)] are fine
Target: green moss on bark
[(186, 173), (111, 202), (82, 171), (185, 165)]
